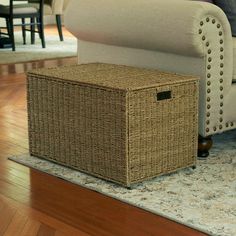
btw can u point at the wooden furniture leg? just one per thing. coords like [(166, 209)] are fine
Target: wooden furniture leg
[(204, 145)]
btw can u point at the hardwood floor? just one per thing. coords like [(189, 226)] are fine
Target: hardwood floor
[(34, 203)]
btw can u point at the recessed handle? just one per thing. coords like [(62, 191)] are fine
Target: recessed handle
[(164, 95)]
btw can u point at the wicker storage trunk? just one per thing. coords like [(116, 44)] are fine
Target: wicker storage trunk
[(119, 123)]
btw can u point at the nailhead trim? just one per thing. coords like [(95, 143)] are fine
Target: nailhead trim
[(209, 51)]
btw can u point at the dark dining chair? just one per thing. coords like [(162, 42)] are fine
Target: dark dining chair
[(23, 11), (55, 8)]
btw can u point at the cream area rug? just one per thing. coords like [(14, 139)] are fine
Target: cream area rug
[(204, 198), (54, 49)]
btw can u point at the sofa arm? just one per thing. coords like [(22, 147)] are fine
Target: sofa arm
[(169, 26)]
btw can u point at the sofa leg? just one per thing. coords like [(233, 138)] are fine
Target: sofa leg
[(204, 145)]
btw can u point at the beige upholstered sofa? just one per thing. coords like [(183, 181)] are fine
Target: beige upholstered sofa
[(187, 37)]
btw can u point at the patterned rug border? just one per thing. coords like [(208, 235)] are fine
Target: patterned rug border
[(60, 176)]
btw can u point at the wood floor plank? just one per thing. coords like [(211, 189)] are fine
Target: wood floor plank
[(7, 213), (37, 216), (30, 228), (16, 225), (46, 230)]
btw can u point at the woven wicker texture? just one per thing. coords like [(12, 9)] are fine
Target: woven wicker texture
[(106, 120), (112, 76)]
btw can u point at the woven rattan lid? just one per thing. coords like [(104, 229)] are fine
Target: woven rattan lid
[(112, 76)]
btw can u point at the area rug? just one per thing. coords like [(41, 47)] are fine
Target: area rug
[(204, 198), (54, 49)]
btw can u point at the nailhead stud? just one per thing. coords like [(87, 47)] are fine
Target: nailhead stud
[(221, 57), (201, 23), (232, 124), (209, 51), (221, 80), (209, 59), (221, 88), (208, 83), (208, 114), (220, 33), (209, 67), (221, 96), (221, 65), (213, 21), (214, 128), (207, 122), (221, 73), (208, 75), (207, 130), (207, 44), (220, 126), (227, 124), (203, 38), (221, 49), (218, 26), (221, 104), (221, 112), (208, 99), (208, 106), (221, 41), (221, 119), (208, 90), (207, 19)]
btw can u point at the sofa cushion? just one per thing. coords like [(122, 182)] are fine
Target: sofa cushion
[(234, 60), (229, 7)]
